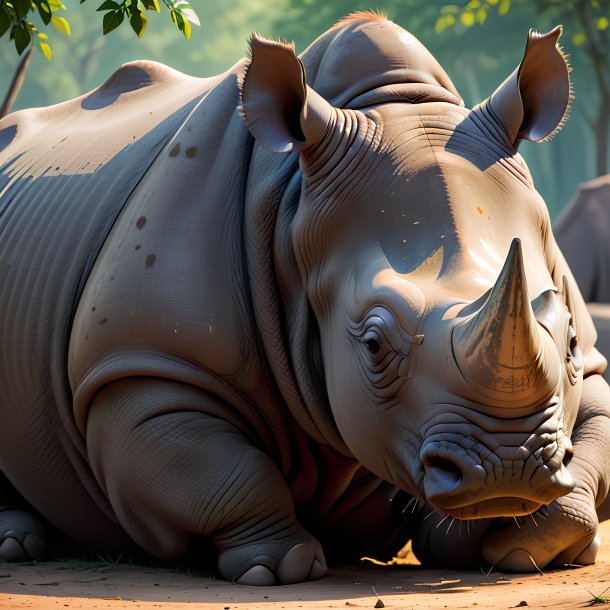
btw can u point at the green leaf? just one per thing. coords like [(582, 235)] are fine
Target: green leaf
[(44, 10), (22, 38), (21, 7), (46, 49), (579, 39), (187, 29), (61, 24), (181, 23), (5, 23), (112, 20), (177, 19), (138, 22), (467, 18), (601, 23), (504, 7), (443, 22), (191, 15), (481, 15), (109, 5), (151, 5), (450, 9)]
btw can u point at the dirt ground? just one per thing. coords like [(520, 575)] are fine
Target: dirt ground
[(83, 586)]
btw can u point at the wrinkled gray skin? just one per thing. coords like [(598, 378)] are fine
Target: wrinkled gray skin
[(203, 338), (583, 236)]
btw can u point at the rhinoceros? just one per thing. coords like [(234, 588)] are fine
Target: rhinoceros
[(583, 236), (265, 309), (583, 233)]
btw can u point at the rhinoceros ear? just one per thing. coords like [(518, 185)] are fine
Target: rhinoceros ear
[(531, 103), (281, 111)]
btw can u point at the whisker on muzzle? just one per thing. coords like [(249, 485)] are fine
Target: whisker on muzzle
[(441, 522), (411, 502), (429, 515), (450, 524)]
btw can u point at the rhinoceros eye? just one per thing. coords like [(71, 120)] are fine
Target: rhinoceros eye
[(383, 351), (372, 343), (574, 355)]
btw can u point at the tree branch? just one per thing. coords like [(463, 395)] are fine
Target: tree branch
[(15, 87)]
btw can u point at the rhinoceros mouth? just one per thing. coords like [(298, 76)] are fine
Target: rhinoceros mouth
[(495, 507)]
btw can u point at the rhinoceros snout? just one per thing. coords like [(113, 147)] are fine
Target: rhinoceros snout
[(467, 486)]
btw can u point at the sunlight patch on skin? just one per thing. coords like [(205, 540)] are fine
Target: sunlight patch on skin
[(486, 267), (430, 269)]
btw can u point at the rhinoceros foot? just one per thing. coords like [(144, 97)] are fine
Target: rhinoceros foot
[(442, 542), (272, 564), (562, 533), (21, 536)]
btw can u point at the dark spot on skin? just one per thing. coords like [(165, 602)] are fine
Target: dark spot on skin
[(93, 308), (103, 321), (111, 277), (150, 260), (191, 152), (175, 151), (138, 246), (141, 222)]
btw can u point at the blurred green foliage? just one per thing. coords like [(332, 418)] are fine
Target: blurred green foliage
[(589, 24), (477, 58), (21, 20)]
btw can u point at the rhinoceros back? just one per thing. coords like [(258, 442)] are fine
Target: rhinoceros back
[(65, 174)]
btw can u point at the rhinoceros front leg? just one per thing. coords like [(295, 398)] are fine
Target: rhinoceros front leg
[(171, 471), (22, 536), (565, 531)]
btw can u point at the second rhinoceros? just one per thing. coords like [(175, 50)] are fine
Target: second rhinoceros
[(204, 337)]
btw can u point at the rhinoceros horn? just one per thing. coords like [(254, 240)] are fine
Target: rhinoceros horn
[(502, 351)]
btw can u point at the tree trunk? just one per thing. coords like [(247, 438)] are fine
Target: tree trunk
[(13, 90), (602, 136)]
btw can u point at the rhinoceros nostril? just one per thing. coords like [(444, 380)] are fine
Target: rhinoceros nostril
[(442, 468)]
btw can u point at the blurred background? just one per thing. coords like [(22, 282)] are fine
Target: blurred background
[(478, 43)]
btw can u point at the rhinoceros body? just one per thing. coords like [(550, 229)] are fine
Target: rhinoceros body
[(202, 337)]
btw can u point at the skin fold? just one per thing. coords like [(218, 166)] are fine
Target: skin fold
[(288, 303)]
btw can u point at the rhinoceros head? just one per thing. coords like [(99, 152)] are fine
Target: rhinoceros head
[(447, 316)]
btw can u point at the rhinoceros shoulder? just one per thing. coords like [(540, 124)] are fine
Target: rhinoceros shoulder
[(140, 98), (137, 76)]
